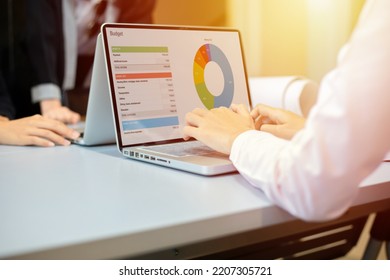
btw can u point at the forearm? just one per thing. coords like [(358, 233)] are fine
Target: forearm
[(290, 177), (315, 176)]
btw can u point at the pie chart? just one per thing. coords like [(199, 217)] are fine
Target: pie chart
[(207, 54)]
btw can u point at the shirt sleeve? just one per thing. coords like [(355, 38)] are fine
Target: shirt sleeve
[(45, 49), (315, 176), (45, 91)]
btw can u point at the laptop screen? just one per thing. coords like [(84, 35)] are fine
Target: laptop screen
[(159, 73)]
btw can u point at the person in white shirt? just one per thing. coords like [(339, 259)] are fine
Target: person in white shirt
[(315, 175)]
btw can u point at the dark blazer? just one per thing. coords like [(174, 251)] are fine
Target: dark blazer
[(6, 107), (32, 49)]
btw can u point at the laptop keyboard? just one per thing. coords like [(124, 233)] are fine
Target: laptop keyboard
[(190, 148)]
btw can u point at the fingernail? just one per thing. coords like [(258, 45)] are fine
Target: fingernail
[(75, 134)]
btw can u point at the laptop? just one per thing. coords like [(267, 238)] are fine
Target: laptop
[(98, 128), (159, 73)]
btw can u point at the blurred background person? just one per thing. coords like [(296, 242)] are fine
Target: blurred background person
[(82, 21), (30, 75), (32, 58)]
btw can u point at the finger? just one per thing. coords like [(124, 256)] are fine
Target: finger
[(266, 120), (189, 132), (50, 136), (55, 126), (193, 119), (37, 141), (219, 110), (258, 122), (271, 128), (72, 118), (260, 109), (240, 109), (63, 114), (31, 135), (200, 112), (273, 114)]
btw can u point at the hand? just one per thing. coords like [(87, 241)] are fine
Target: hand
[(37, 131), (218, 128), (281, 123), (52, 109)]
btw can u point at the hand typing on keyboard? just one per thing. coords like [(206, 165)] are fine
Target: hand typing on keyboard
[(218, 128)]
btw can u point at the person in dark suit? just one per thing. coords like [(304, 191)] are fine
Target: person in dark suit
[(33, 58), (34, 130), (30, 56)]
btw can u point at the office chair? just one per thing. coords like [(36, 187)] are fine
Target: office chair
[(380, 232)]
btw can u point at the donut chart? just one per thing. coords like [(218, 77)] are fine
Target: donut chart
[(204, 55)]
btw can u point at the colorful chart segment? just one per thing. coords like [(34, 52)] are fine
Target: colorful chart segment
[(204, 55)]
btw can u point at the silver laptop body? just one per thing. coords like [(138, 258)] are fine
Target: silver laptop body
[(159, 73), (98, 128)]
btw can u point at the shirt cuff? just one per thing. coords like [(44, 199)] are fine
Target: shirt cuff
[(255, 154), (45, 91), (255, 139)]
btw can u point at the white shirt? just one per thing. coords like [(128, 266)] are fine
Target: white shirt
[(315, 176)]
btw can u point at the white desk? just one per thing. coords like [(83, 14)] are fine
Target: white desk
[(90, 203)]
